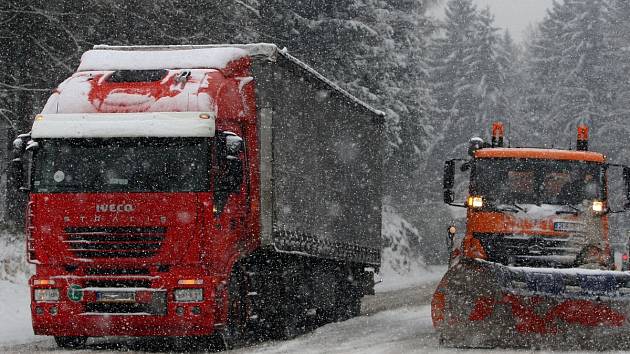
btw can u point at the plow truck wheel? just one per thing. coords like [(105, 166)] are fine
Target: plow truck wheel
[(70, 342)]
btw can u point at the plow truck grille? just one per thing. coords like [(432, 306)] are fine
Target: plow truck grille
[(114, 242), (531, 250)]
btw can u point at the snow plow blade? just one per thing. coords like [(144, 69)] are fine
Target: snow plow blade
[(486, 305)]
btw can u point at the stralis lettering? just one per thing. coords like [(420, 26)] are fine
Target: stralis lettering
[(114, 208)]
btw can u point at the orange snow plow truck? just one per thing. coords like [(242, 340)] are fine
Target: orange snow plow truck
[(534, 265)]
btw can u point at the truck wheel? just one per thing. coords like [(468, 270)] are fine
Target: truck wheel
[(70, 342), (354, 307), (234, 330)]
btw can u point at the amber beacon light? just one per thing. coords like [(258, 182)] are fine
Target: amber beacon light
[(582, 137)]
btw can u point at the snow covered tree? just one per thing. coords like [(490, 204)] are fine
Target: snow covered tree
[(487, 72), (468, 69), (617, 42), (568, 66), (449, 52), (467, 66)]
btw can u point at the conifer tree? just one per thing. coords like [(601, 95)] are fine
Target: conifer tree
[(568, 66)]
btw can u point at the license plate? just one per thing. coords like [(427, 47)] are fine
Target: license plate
[(567, 226), (116, 296)]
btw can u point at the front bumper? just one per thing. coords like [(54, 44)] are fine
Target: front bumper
[(113, 310)]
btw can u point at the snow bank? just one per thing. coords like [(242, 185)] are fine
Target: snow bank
[(402, 266)]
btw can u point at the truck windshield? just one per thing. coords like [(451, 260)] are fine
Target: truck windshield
[(121, 165), (537, 181)]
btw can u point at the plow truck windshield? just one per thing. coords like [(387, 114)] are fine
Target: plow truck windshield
[(531, 181)]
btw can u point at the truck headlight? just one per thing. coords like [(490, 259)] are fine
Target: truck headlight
[(188, 295), (46, 295)]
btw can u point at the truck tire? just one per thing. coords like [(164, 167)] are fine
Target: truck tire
[(289, 321), (289, 315), (348, 304), (70, 342), (236, 321)]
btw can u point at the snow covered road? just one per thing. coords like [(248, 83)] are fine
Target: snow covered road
[(392, 322)]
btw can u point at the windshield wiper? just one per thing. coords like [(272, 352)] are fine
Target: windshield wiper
[(575, 210), (508, 208), (519, 207)]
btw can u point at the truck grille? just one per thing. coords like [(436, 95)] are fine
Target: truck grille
[(534, 250), (114, 242)]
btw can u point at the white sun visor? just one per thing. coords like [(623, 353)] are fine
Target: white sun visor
[(124, 125)]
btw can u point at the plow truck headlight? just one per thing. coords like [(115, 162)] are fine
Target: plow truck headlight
[(598, 206), (188, 295), (46, 295), (475, 202)]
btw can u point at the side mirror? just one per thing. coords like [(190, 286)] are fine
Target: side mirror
[(230, 175), (449, 180), (626, 180), (449, 174), (17, 173), (20, 147), (449, 196), (233, 145)]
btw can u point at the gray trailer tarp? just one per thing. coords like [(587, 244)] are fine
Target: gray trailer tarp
[(321, 165)]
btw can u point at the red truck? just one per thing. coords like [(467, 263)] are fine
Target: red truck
[(220, 191)]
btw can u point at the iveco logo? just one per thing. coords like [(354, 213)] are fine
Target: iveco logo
[(536, 249), (114, 208)]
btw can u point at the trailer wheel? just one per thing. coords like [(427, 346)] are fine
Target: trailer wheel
[(70, 342), (354, 307), (348, 304)]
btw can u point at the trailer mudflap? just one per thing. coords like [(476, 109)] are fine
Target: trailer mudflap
[(484, 304)]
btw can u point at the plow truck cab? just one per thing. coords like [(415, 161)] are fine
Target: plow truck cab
[(534, 265)]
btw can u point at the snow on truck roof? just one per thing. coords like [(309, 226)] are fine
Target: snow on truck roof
[(535, 153), (211, 56), (123, 125)]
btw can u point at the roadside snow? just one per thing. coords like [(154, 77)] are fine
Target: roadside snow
[(15, 304), (402, 265), (392, 280), (15, 312), (402, 330)]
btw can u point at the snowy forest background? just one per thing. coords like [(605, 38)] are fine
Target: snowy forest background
[(439, 81)]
